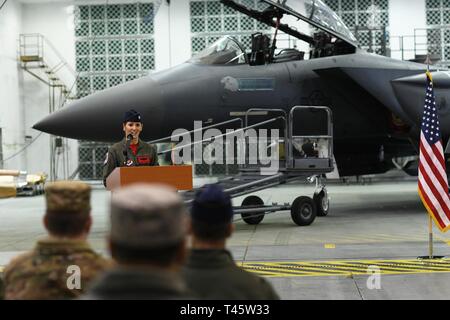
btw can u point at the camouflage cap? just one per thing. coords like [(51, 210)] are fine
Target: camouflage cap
[(147, 215), (68, 196)]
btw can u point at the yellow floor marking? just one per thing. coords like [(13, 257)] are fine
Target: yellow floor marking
[(329, 246), (346, 267)]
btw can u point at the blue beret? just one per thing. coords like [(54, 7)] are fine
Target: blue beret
[(132, 116), (212, 205)]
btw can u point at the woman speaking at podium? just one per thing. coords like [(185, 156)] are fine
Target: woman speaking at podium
[(131, 151)]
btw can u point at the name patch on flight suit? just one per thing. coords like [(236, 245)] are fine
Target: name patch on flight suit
[(142, 160)]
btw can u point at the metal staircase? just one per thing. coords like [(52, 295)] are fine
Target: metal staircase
[(39, 58)]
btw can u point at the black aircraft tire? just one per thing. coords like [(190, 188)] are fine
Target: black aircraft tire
[(303, 211), (249, 218), (322, 203)]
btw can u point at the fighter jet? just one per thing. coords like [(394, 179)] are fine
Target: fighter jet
[(377, 102)]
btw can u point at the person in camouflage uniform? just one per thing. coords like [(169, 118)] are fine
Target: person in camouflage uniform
[(62, 265), (210, 271), (132, 152)]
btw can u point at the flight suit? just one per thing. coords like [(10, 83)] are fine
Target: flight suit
[(44, 272), (212, 274), (146, 155)]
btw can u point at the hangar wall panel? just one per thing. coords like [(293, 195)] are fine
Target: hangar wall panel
[(55, 22), (11, 106)]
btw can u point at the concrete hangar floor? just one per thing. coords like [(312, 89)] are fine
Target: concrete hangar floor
[(379, 225)]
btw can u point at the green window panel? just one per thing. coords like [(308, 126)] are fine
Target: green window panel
[(115, 47), (434, 36), (82, 29), (384, 19), (447, 36), (214, 24), (349, 19), (213, 8), (433, 17), (130, 27), (364, 38), (82, 48), (114, 28), (247, 23), (197, 8), (230, 23), (146, 11), (114, 11), (130, 11), (131, 77), (228, 11), (98, 28), (248, 3), (115, 63), (364, 5), (99, 83), (131, 46), (115, 81), (348, 5), (262, 26), (147, 46), (264, 6), (246, 41), (198, 44), (433, 4), (364, 19), (211, 40), (131, 63), (447, 53), (84, 84), (147, 62), (99, 47), (99, 64), (84, 155), (86, 171), (83, 64), (382, 4), (84, 12), (146, 26), (100, 152), (333, 4), (98, 12), (446, 3), (198, 25), (446, 17)]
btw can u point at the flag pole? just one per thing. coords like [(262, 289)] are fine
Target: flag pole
[(430, 239), (430, 219)]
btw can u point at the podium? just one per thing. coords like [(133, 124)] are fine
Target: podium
[(179, 177)]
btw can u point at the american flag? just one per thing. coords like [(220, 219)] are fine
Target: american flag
[(433, 184)]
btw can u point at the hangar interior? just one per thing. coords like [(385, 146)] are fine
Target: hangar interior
[(56, 51)]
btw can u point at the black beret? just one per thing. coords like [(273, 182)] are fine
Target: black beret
[(212, 205), (132, 116)]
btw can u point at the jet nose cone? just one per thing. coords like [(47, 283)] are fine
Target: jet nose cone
[(99, 116)]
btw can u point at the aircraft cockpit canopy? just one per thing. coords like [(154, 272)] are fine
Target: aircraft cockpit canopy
[(311, 21), (225, 51), (320, 13)]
